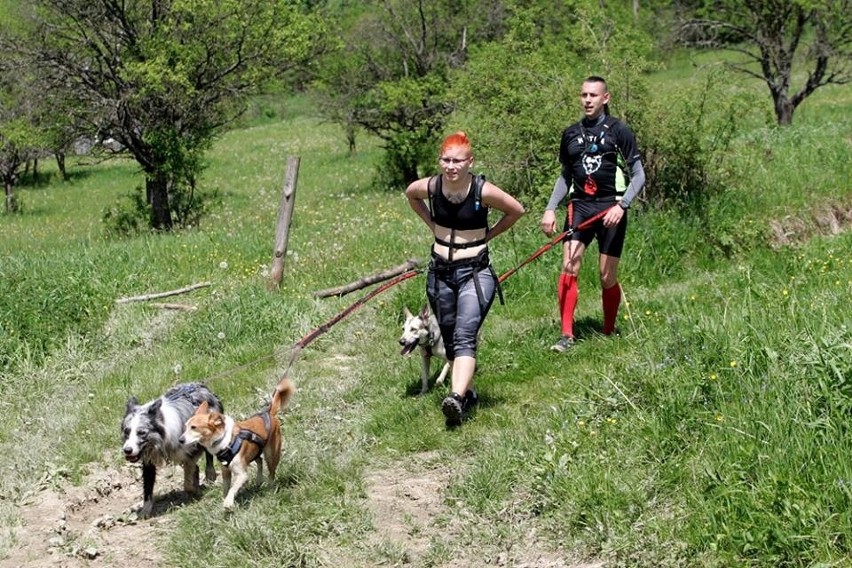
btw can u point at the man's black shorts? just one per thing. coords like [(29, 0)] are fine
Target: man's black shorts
[(610, 241)]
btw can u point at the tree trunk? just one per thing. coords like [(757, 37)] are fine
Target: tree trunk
[(409, 171), (157, 189), (783, 110), (10, 197), (60, 163)]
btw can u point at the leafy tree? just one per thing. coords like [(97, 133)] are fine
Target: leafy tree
[(776, 36), (516, 95), (163, 77), (20, 136), (389, 74)]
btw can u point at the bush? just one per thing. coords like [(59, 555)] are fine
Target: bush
[(131, 215), (685, 135)]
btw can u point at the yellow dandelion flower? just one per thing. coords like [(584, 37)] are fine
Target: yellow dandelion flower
[(580, 423), (733, 364), (713, 376), (719, 418), (785, 292)]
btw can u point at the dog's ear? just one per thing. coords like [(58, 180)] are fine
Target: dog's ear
[(424, 313), (406, 312), (132, 403), (217, 419), (202, 408), (155, 407)]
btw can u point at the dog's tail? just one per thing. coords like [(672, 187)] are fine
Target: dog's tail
[(281, 396)]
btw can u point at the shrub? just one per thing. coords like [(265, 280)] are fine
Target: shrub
[(685, 135)]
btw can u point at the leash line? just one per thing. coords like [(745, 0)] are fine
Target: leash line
[(297, 347), (547, 246), (313, 334)]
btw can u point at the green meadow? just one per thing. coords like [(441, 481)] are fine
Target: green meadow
[(714, 431)]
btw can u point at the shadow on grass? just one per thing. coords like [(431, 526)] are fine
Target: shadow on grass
[(28, 182), (176, 498)]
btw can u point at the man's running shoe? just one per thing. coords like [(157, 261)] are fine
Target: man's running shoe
[(564, 344)]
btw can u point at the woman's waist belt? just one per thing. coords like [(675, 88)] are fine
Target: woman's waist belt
[(480, 261), (470, 244)]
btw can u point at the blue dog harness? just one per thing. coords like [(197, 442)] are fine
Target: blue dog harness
[(227, 455)]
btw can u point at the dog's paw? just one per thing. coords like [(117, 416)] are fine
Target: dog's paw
[(145, 511)]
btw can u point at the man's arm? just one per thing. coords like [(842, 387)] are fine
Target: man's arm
[(637, 182)]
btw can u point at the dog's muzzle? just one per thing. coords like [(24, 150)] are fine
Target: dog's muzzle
[(407, 348), (129, 455)]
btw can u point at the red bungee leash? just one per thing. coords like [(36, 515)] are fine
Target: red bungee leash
[(558, 238)]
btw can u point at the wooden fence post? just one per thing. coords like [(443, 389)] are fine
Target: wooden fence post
[(282, 227)]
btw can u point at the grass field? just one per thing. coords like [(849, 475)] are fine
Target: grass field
[(714, 431)]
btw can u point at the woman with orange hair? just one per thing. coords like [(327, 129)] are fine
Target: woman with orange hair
[(460, 284)]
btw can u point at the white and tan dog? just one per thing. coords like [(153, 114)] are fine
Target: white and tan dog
[(421, 330), (238, 443)]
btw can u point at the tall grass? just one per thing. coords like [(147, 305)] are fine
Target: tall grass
[(711, 432)]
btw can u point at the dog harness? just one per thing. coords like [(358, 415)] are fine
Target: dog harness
[(227, 455)]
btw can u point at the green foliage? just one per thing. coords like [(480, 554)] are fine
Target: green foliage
[(686, 137), (515, 101), (164, 80), (794, 47), (418, 106), (388, 75), (21, 137), (128, 216)]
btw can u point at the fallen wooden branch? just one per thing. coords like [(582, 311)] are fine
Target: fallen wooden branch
[(367, 280), (162, 294), (168, 306)]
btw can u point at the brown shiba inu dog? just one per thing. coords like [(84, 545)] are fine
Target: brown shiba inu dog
[(238, 443)]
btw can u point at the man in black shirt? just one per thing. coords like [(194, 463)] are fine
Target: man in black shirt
[(601, 174)]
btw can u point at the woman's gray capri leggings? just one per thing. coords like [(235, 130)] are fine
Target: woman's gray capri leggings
[(459, 304)]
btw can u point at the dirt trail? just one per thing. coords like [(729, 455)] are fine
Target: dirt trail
[(94, 524)]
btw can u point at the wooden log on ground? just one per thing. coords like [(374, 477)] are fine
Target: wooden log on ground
[(157, 295), (171, 306), (368, 280)]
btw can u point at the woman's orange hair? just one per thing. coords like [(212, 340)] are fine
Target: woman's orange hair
[(457, 139)]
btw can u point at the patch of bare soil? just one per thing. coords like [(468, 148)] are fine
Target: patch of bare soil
[(830, 219), (410, 511), (95, 524)]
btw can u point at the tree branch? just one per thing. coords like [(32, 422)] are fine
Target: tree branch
[(162, 294), (367, 280)]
